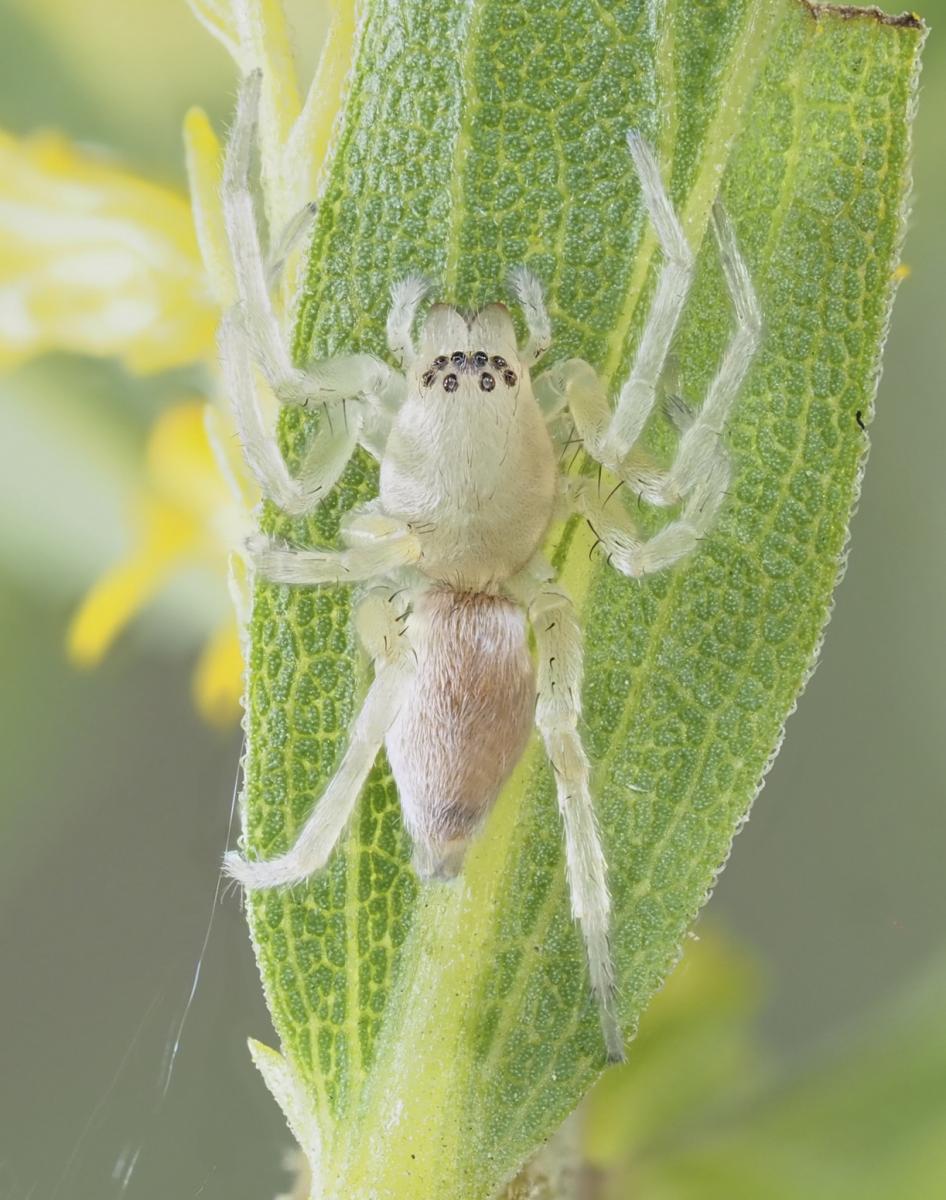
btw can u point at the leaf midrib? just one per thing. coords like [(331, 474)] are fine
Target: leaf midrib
[(461, 144)]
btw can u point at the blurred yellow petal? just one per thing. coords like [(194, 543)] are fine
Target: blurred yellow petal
[(309, 140), (96, 260), (217, 17), (181, 466), (265, 43), (204, 157), (218, 677), (140, 255), (231, 465), (256, 34), (126, 588), (184, 517)]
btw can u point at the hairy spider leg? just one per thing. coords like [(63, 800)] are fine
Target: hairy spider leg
[(638, 395), (254, 322), (699, 474), (406, 297), (377, 545), (528, 291), (288, 241), (558, 711), (328, 452), (699, 443), (379, 621), (573, 386)]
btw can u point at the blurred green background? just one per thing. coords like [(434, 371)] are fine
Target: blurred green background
[(827, 921)]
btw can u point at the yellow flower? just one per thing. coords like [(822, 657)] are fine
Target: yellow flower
[(185, 516), (97, 261)]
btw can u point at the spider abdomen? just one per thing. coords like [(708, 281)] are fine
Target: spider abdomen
[(464, 722)]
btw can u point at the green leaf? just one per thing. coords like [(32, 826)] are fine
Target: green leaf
[(443, 1032)]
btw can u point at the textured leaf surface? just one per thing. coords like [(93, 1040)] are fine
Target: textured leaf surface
[(444, 1031)]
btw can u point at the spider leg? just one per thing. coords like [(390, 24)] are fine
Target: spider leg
[(637, 397), (327, 455), (288, 241), (700, 442), (251, 337), (528, 291), (574, 384), (558, 709), (348, 376), (553, 403), (699, 474), (378, 620), (621, 542), (406, 298), (377, 546), (551, 391)]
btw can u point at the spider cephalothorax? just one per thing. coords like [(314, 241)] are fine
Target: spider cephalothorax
[(469, 484)]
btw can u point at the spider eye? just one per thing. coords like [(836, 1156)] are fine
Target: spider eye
[(487, 382), (509, 378), (458, 358), (499, 361), (450, 382), (480, 358), (428, 377), (440, 361)]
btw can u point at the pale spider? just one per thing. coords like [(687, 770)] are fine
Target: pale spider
[(469, 487)]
